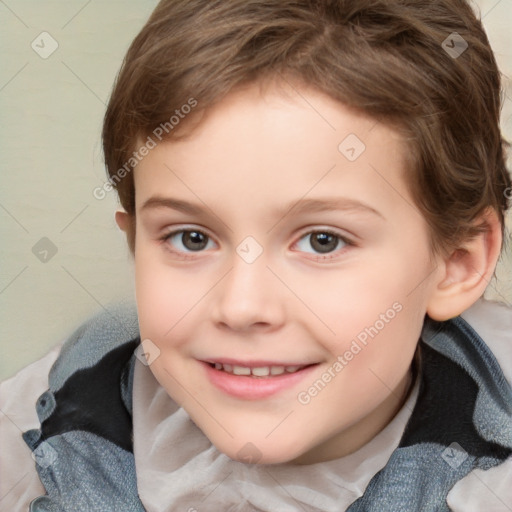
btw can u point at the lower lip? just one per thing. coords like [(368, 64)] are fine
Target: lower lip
[(254, 388)]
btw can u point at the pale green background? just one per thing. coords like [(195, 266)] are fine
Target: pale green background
[(51, 113)]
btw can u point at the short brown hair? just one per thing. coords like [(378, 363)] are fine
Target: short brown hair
[(388, 59)]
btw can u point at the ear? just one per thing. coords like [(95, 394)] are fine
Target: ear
[(466, 272), (126, 223), (122, 220)]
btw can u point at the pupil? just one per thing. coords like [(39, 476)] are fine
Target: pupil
[(323, 242), (194, 240)]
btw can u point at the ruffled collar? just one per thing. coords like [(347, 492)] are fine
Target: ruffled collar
[(179, 469)]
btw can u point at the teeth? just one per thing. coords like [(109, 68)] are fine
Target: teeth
[(241, 370), (261, 371)]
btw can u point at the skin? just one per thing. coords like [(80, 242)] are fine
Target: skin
[(257, 152)]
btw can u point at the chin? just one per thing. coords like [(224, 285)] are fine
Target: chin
[(258, 453)]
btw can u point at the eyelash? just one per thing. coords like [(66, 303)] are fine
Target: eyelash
[(317, 256)]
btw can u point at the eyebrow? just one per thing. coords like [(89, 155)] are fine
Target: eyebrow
[(298, 207)]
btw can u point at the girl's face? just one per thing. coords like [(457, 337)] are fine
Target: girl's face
[(282, 275)]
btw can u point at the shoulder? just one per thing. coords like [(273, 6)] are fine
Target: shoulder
[(92, 341), (98, 336), (18, 395), (493, 323), (488, 490)]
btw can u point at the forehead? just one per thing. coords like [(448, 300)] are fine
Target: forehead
[(280, 143)]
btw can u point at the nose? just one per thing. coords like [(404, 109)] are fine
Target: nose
[(249, 297)]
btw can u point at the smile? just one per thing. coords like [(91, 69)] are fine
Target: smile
[(258, 381)]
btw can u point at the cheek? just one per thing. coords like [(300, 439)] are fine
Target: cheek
[(162, 312), (374, 317), (164, 296), (348, 303), (366, 367)]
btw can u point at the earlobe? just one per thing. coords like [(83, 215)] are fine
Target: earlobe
[(466, 271)]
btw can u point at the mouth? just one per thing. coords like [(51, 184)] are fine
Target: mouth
[(255, 380)]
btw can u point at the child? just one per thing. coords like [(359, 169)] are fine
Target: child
[(313, 192)]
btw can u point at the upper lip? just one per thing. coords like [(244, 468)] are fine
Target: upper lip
[(255, 363)]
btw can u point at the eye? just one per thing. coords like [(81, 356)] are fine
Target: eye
[(188, 240), (321, 242)]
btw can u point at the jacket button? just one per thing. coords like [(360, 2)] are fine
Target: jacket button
[(45, 405), (42, 504)]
